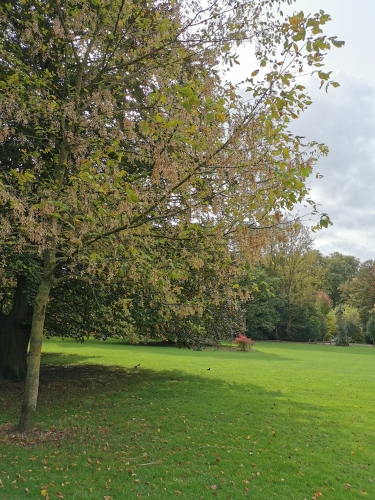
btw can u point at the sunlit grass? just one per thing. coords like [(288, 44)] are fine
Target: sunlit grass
[(281, 421)]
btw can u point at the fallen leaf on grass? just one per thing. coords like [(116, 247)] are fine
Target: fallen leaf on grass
[(212, 487), (107, 498), (363, 493), (348, 486), (59, 495), (317, 495)]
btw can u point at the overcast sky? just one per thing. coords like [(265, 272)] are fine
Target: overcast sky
[(344, 119)]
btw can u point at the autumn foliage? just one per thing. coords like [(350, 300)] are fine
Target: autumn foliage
[(243, 342)]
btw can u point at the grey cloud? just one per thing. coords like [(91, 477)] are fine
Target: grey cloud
[(345, 120)]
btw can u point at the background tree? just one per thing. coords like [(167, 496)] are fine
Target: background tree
[(347, 326), (359, 292), (331, 325), (264, 308), (370, 328), (292, 257), (340, 268)]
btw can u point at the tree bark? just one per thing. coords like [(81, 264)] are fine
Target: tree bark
[(15, 330), (28, 411)]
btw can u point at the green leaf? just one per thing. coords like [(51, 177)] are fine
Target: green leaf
[(210, 117), (131, 196), (324, 76), (300, 35)]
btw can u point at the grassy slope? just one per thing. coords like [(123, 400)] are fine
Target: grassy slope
[(285, 421)]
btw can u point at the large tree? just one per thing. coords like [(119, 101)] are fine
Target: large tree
[(117, 131)]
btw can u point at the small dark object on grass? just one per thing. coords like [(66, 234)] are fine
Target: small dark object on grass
[(136, 366), (208, 368)]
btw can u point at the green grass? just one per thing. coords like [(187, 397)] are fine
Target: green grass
[(283, 421)]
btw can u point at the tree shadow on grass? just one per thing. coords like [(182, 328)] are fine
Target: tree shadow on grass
[(180, 418), (59, 358)]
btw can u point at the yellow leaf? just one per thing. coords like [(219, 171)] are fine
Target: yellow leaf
[(43, 493)]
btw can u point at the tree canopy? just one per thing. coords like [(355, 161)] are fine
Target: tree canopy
[(121, 140)]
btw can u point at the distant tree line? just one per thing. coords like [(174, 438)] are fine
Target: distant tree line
[(298, 294)]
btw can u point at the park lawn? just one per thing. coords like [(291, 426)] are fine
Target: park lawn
[(287, 421)]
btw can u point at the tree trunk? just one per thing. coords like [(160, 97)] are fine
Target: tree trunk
[(15, 330), (28, 411), (288, 327)]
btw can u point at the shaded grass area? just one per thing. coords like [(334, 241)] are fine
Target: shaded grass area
[(283, 421)]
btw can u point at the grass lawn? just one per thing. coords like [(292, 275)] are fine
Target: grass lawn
[(284, 421)]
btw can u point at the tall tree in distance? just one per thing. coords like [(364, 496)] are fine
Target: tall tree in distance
[(292, 258), (117, 132), (359, 291), (340, 268)]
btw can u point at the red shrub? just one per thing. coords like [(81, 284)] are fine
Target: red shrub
[(243, 342)]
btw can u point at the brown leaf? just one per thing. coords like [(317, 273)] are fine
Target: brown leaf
[(317, 495), (347, 486), (59, 495)]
